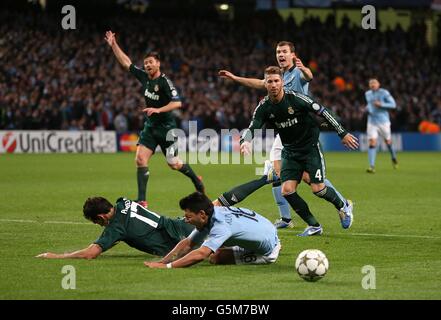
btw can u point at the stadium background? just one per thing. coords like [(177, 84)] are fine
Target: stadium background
[(55, 79), (63, 91)]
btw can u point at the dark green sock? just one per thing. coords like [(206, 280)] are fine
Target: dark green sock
[(188, 171), (330, 195), (301, 208), (237, 194), (142, 176)]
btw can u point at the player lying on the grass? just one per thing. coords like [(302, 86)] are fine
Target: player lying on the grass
[(290, 112), (296, 77), (226, 235), (131, 223)]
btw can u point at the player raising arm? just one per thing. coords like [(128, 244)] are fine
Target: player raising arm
[(290, 112), (296, 77), (161, 97)]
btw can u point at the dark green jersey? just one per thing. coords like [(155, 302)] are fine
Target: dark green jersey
[(157, 93), (293, 120), (143, 229)]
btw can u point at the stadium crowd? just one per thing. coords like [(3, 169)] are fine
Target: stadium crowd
[(52, 78)]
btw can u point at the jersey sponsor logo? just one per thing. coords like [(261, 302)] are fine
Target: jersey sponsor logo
[(290, 110), (287, 124), (150, 95), (9, 142)]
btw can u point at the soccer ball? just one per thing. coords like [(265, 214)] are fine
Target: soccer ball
[(312, 265)]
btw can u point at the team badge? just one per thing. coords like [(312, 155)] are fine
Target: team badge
[(290, 110), (316, 106), (156, 88)]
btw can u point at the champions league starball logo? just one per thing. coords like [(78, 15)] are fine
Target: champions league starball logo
[(9, 142)]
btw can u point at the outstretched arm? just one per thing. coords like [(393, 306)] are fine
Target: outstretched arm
[(306, 72), (189, 259), (181, 249), (122, 58), (91, 252), (248, 82)]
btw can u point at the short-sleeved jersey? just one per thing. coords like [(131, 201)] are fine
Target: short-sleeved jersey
[(230, 226), (157, 93), (293, 81), (143, 229), (292, 117), (379, 115)]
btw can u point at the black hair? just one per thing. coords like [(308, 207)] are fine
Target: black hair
[(95, 206), (196, 202), (154, 54)]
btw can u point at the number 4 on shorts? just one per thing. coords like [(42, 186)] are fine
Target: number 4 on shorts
[(318, 174)]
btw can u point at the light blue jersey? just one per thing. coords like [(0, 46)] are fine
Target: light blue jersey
[(294, 81), (231, 226), (379, 115)]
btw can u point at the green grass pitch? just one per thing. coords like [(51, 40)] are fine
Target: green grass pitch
[(397, 229)]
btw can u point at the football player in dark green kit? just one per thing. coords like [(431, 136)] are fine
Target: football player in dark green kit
[(161, 97), (290, 113), (131, 223)]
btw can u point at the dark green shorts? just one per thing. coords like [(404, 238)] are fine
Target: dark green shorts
[(151, 137), (295, 163)]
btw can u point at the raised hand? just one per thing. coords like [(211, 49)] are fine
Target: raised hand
[(110, 38)]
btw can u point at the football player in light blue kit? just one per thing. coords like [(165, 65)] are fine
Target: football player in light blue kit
[(296, 77), (226, 235), (379, 103)]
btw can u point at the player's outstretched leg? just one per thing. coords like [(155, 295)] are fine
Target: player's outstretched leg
[(239, 193)]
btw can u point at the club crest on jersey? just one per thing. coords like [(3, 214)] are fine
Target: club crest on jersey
[(290, 110), (156, 88)]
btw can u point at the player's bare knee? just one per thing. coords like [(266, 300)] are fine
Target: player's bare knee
[(316, 187), (287, 189), (141, 161)]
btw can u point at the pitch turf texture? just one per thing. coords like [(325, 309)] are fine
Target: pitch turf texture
[(397, 230)]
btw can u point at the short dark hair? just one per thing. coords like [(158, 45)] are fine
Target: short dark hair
[(287, 43), (153, 54), (95, 206), (273, 70), (196, 202)]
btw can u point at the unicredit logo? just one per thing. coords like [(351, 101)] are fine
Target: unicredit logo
[(9, 142)]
